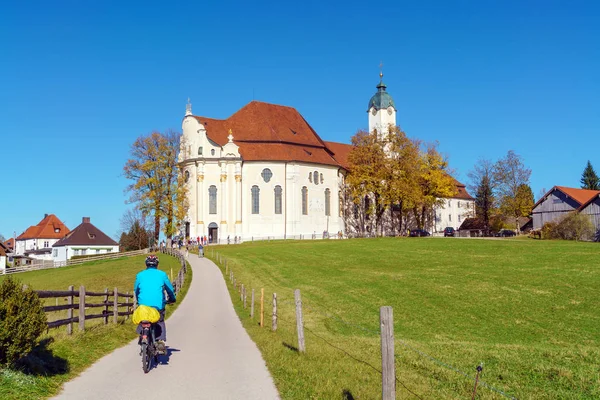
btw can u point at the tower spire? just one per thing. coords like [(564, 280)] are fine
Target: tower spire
[(381, 71), (188, 107)]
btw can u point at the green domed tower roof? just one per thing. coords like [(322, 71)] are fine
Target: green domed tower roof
[(381, 99)]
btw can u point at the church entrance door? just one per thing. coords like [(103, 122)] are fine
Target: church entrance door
[(213, 233)]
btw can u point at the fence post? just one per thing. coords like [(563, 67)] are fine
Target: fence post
[(299, 322), (105, 306), (244, 295), (128, 308), (262, 307), (82, 308), (70, 311), (274, 326), (252, 306), (116, 306), (388, 375)]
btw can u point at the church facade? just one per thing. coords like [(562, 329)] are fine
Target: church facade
[(265, 172)]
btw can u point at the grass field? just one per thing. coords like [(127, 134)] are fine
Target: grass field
[(528, 310), (62, 357)]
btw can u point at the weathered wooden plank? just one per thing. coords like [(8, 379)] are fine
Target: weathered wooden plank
[(61, 322), (49, 294), (70, 312), (388, 374), (299, 321), (116, 306), (60, 307), (82, 308), (106, 303)]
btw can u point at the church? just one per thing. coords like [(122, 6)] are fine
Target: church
[(265, 172)]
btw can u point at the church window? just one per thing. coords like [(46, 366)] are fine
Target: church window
[(212, 152), (450, 217), (459, 205), (321, 178), (327, 202), (310, 177), (255, 199), (200, 150), (304, 200), (316, 177), (212, 199), (186, 176), (278, 192), (266, 174), (459, 218)]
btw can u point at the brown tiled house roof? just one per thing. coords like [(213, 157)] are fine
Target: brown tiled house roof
[(461, 191), (581, 196), (10, 243), (270, 132), (4, 250), (48, 228), (86, 234)]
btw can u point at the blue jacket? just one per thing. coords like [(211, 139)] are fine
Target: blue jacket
[(149, 288)]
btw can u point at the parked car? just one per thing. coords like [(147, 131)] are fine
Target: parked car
[(419, 233), (505, 233), (449, 232)]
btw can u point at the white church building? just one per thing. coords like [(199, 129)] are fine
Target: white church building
[(265, 172)]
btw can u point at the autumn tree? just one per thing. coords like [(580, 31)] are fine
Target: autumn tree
[(136, 230), (435, 183), (589, 179), (510, 174), (369, 170), (482, 184), (154, 172), (405, 164)]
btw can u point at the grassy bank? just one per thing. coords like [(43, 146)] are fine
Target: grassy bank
[(527, 310), (60, 357)]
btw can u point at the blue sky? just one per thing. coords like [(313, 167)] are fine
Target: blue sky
[(81, 80)]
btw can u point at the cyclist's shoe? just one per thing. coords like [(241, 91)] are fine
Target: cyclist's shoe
[(161, 347)]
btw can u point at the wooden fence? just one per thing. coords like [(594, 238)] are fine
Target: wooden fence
[(113, 303), (47, 264)]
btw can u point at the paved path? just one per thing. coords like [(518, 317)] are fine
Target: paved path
[(211, 355)]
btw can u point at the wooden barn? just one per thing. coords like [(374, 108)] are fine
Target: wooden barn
[(561, 200)]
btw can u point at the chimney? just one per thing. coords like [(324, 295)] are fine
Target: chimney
[(85, 220)]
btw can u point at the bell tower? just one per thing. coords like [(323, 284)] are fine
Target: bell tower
[(381, 110)]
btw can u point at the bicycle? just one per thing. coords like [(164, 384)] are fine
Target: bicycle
[(148, 349)]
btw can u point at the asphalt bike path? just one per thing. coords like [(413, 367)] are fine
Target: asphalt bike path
[(210, 355)]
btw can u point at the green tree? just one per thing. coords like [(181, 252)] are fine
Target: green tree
[(136, 230), (524, 200), (22, 321), (589, 179), (482, 185), (510, 174), (154, 172)]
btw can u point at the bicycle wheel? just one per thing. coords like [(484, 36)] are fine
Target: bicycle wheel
[(145, 358)]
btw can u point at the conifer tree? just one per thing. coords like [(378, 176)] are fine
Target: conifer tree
[(589, 179)]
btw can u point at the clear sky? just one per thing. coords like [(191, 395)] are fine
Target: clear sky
[(80, 80)]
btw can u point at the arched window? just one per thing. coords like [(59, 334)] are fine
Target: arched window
[(186, 176), (321, 178), (304, 200), (255, 199), (278, 192), (200, 150), (327, 202), (310, 177), (316, 177), (266, 174), (212, 152), (212, 199)]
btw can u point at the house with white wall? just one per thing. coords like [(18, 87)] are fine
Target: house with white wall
[(453, 211), (36, 242), (85, 239)]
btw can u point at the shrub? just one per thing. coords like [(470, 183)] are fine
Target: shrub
[(22, 321), (573, 226)]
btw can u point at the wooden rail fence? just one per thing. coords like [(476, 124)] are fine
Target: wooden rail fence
[(113, 303)]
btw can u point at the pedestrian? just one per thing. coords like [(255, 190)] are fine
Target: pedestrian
[(200, 250)]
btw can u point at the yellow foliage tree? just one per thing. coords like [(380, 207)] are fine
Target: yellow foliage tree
[(155, 175)]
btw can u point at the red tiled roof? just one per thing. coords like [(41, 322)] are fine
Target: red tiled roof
[(48, 228), (340, 152), (3, 250), (10, 243), (581, 196), (86, 234), (462, 191), (271, 132)]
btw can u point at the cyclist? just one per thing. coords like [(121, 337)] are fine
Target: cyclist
[(149, 289)]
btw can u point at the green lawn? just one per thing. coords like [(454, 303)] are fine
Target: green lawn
[(528, 310), (67, 356)]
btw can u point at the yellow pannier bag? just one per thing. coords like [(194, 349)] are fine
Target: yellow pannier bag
[(145, 313)]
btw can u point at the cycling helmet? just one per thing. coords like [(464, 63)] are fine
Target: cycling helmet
[(151, 261)]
